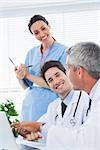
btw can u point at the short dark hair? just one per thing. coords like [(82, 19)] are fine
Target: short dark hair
[(49, 64), (36, 18)]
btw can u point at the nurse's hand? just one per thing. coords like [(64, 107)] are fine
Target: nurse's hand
[(21, 71)]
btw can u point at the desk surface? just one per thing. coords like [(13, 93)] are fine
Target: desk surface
[(39, 145)]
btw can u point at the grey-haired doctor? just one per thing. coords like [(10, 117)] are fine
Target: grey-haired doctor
[(83, 68)]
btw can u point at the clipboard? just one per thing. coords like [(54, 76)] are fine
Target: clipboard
[(25, 80)]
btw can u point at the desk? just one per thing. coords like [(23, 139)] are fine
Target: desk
[(38, 145)]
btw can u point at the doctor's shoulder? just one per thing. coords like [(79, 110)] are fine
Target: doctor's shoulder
[(85, 101), (85, 96), (53, 105), (82, 94), (81, 98)]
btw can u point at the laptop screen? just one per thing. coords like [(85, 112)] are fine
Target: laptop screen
[(7, 139)]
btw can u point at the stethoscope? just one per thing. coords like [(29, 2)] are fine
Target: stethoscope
[(73, 120)]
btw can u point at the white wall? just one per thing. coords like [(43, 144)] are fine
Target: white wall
[(12, 8), (74, 22)]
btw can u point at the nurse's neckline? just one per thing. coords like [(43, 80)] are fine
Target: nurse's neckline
[(43, 50)]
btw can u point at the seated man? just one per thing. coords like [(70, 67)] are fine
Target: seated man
[(69, 110), (83, 61)]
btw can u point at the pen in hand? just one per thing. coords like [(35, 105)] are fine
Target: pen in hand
[(29, 66), (12, 61), (15, 65)]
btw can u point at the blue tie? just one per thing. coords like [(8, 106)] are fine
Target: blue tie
[(63, 108)]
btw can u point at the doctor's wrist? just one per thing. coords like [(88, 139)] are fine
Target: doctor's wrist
[(41, 126)]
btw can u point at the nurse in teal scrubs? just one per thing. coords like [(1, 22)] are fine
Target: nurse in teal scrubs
[(38, 95)]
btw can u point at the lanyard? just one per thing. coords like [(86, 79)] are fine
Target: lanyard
[(44, 58)]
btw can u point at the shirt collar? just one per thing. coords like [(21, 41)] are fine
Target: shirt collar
[(95, 87), (68, 98)]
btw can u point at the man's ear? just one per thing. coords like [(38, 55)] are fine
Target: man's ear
[(80, 72)]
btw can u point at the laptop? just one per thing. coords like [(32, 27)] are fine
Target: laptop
[(7, 139)]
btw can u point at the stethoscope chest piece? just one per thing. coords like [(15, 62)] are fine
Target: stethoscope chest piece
[(73, 122)]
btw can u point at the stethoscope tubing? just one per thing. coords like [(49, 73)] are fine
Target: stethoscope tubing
[(77, 104), (90, 102)]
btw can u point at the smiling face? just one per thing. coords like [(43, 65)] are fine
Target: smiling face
[(41, 31), (58, 81)]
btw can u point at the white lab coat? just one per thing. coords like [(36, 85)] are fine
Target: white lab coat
[(54, 116), (86, 137)]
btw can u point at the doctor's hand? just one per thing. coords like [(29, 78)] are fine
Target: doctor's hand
[(21, 71), (21, 131), (27, 126), (33, 136)]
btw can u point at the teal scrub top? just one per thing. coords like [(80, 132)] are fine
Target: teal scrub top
[(38, 98)]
